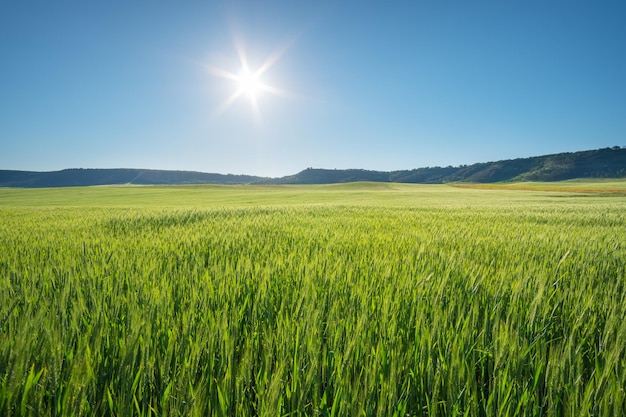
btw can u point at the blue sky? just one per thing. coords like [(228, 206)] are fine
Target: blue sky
[(356, 84)]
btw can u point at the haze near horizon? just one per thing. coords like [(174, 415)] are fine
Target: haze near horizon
[(270, 88)]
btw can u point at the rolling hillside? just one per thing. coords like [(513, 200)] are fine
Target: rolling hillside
[(85, 177), (600, 163)]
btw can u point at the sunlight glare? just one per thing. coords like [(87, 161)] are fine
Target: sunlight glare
[(248, 82)]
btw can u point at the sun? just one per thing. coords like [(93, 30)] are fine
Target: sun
[(250, 84), (248, 81)]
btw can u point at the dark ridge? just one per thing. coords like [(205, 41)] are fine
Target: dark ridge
[(85, 177), (600, 163)]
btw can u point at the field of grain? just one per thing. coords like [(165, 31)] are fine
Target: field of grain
[(344, 300)]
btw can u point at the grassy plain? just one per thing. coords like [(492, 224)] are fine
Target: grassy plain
[(608, 186), (337, 300)]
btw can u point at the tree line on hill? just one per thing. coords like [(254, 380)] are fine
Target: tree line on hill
[(600, 163)]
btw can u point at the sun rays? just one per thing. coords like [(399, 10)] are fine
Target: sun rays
[(249, 82)]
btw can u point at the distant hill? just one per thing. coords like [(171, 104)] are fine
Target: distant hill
[(600, 163), (83, 177)]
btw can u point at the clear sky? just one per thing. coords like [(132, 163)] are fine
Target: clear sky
[(337, 84)]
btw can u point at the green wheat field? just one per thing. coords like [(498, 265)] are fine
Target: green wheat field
[(336, 300)]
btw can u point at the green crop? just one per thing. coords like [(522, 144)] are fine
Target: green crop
[(354, 300)]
